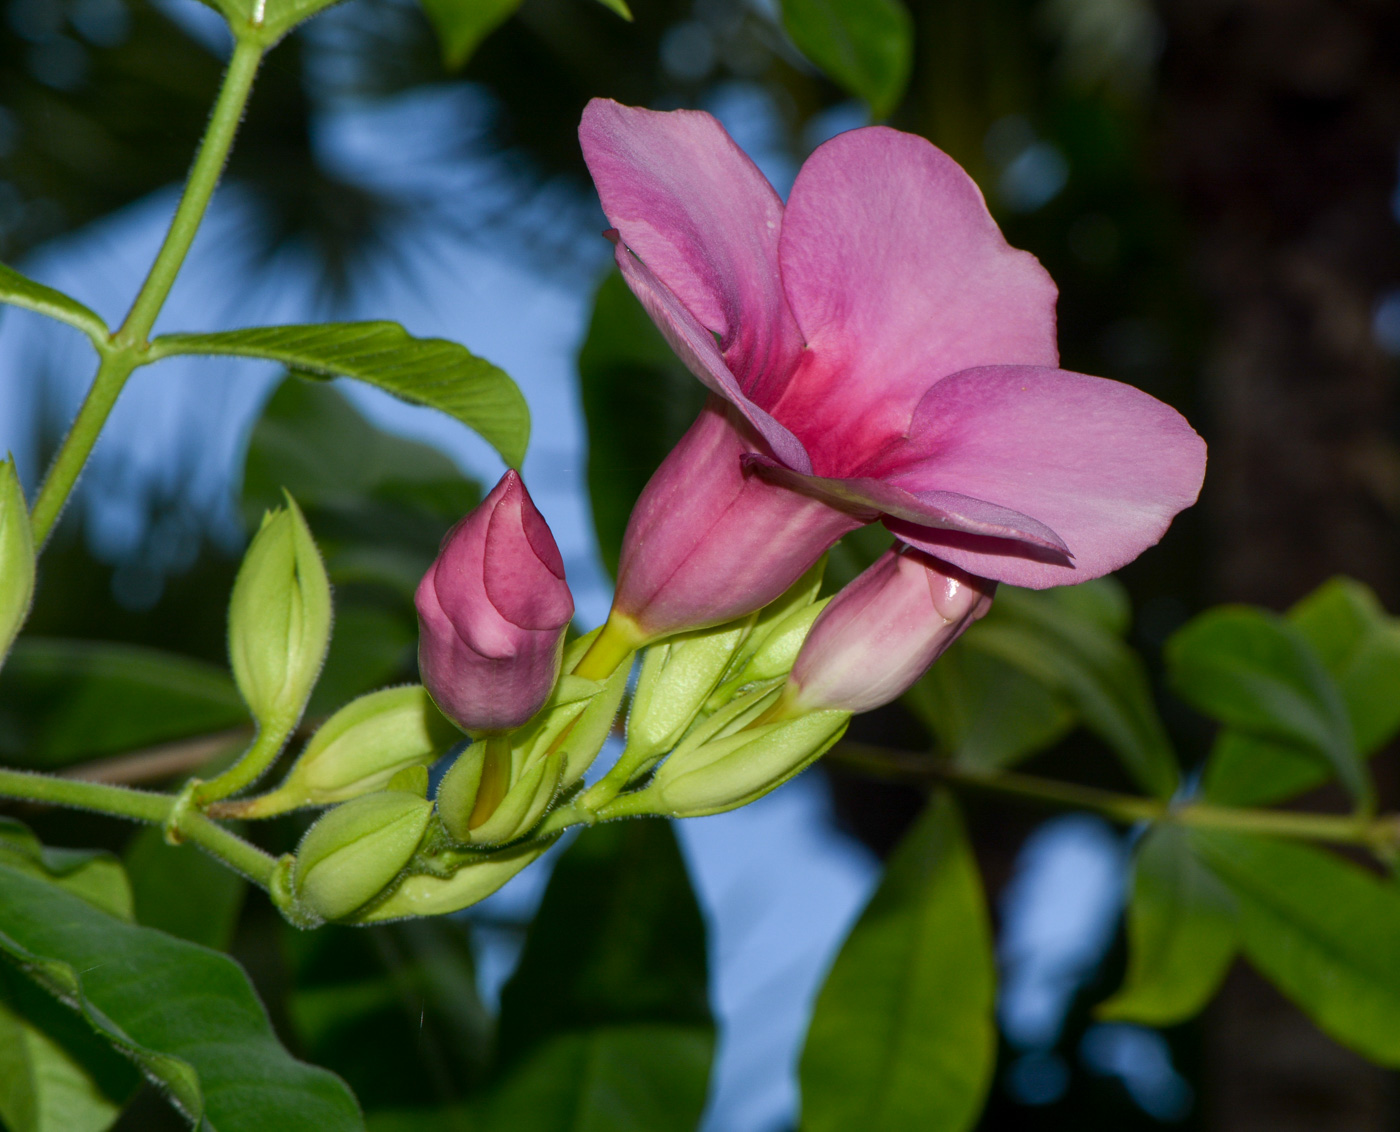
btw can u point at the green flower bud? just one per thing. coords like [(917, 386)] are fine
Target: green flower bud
[(421, 894), (359, 750), (356, 849), (279, 620), (16, 557), (483, 801), (734, 769)]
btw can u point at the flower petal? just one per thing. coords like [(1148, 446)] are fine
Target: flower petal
[(695, 346), (697, 211), (898, 276), (1102, 464)]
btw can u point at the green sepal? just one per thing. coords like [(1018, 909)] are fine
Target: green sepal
[(421, 894)]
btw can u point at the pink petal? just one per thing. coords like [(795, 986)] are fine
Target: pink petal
[(898, 276), (1103, 465), (695, 346), (697, 211)]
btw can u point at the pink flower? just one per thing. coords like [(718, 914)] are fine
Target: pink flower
[(881, 632), (877, 350), (492, 611)]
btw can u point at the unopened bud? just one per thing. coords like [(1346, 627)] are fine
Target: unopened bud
[(492, 611), (484, 800), (359, 750), (881, 633), (16, 557), (422, 894), (732, 770), (356, 849), (279, 622)]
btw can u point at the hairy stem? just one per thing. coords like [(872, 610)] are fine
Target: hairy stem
[(249, 767), (128, 344)]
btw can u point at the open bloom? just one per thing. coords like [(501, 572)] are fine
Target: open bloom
[(881, 632), (492, 610), (876, 350)]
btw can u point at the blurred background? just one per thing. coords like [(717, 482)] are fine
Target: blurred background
[(1212, 183)]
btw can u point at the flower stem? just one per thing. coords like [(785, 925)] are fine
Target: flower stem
[(127, 347), (249, 766), (144, 806), (1379, 834)]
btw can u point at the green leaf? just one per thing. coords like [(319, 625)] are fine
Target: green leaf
[(638, 400), (186, 1015), (21, 291), (903, 1035), (461, 25), (618, 6), (1181, 934), (866, 46), (987, 714), (423, 371), (631, 1078), (1324, 931), (96, 876), (1259, 676), (182, 890), (1359, 645), (65, 701), (609, 999), (1070, 644)]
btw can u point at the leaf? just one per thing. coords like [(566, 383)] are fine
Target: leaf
[(186, 1015), (96, 876), (903, 1035), (987, 714), (1066, 645), (1258, 675), (618, 6), (638, 400), (461, 25), (1181, 934), (1359, 645), (866, 46), (423, 371), (182, 890), (21, 291), (609, 999), (64, 701), (1325, 932)]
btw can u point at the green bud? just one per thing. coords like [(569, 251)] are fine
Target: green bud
[(359, 750), (356, 849), (421, 894), (279, 619), (775, 656), (735, 769), (483, 801), (16, 557), (676, 679)]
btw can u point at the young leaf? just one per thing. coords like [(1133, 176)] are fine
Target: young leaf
[(65, 701), (186, 1015), (609, 1000), (1325, 932), (1359, 645), (424, 371), (1258, 675), (461, 25), (1181, 934), (638, 400), (1070, 649), (866, 46), (21, 291), (903, 1035)]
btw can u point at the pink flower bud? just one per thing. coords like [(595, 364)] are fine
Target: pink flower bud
[(880, 633), (711, 539), (492, 611)]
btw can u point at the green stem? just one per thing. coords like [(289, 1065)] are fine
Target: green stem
[(128, 345), (144, 806), (1379, 834), (248, 768)]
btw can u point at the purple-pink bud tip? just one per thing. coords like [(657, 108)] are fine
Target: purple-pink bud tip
[(492, 610), (881, 633)]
